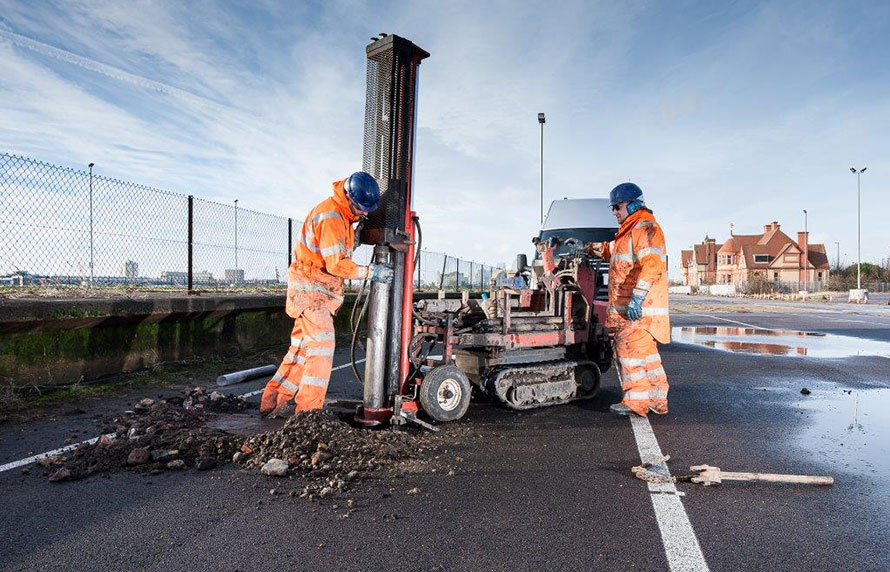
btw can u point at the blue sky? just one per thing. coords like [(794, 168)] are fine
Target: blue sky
[(724, 113)]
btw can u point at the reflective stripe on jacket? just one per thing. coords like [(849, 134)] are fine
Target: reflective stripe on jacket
[(638, 263), (322, 256)]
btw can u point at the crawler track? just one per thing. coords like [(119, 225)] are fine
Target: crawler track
[(543, 384)]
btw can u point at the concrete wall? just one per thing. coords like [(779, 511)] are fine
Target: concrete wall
[(719, 290), (46, 342), (57, 342)]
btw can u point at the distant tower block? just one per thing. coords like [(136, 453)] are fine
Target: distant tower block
[(131, 269)]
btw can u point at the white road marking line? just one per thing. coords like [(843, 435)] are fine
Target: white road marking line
[(53, 453), (59, 451), (260, 391), (677, 535)]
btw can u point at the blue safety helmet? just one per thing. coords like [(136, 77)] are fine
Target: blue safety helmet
[(627, 193), (363, 190)]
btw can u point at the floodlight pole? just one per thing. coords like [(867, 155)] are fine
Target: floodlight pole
[(541, 120), (858, 173)]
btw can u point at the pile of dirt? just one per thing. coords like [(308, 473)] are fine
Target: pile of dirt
[(155, 435), (317, 446), (330, 454)]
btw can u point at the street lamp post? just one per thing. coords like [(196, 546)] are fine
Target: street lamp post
[(838, 259), (858, 173), (91, 224), (806, 253), (541, 120)]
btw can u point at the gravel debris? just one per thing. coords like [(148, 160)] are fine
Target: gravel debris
[(215, 401), (155, 435), (328, 454), (275, 468), (60, 475), (332, 455)]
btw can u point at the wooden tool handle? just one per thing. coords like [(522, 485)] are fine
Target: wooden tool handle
[(773, 478)]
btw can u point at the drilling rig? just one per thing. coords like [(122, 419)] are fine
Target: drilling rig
[(389, 146), (537, 340)]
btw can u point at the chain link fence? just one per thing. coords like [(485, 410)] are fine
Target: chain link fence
[(62, 227)]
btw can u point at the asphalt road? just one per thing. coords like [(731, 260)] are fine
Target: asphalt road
[(544, 490)]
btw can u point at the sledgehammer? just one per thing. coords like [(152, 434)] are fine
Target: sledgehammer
[(708, 475)]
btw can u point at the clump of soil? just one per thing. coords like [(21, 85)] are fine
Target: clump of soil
[(329, 453), (155, 435), (199, 399)]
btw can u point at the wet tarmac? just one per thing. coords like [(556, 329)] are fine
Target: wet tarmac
[(779, 342), (849, 430), (521, 478)]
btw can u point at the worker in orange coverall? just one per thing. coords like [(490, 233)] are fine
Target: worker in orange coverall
[(638, 302), (322, 261)]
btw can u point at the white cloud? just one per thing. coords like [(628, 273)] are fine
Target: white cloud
[(742, 118)]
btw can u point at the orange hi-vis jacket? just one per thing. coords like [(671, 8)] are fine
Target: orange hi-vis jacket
[(322, 257), (638, 264)]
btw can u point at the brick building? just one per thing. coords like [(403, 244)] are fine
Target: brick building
[(770, 256)]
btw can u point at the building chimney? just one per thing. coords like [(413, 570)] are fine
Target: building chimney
[(711, 250), (802, 240)]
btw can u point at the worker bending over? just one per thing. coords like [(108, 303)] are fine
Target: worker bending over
[(322, 260), (638, 301)]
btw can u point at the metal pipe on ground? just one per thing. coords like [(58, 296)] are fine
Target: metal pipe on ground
[(245, 374)]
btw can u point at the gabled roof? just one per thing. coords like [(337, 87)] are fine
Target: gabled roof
[(777, 260), (701, 253), (740, 240), (818, 257), (749, 251), (728, 247), (775, 241), (685, 258)]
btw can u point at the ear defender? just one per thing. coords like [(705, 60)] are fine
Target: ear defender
[(633, 207)]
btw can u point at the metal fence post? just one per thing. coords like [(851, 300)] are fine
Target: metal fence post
[(442, 276), (290, 239), (191, 247), (91, 224), (457, 275), (235, 278)]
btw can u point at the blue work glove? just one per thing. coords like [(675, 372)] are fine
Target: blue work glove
[(635, 307), (381, 273)]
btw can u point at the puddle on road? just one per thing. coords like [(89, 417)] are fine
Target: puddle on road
[(778, 342), (850, 431)]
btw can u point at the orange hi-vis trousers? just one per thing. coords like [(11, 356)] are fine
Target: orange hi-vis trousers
[(643, 380), (306, 369)]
